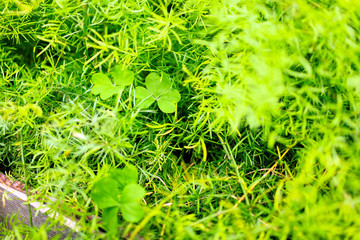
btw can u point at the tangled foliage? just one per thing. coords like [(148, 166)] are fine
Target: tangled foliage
[(256, 129)]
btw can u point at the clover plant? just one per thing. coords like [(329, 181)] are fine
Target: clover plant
[(119, 191), (272, 96), (112, 83), (158, 88)]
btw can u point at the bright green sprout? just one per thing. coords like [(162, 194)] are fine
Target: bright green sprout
[(158, 89), (106, 87), (119, 190)]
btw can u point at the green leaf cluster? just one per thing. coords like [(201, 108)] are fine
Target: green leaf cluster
[(119, 191), (266, 144)]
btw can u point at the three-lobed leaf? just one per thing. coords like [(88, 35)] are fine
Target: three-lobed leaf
[(119, 191), (158, 89), (103, 86), (107, 87)]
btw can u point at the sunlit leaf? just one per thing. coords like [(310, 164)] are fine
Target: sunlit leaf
[(106, 193), (106, 87), (158, 88)]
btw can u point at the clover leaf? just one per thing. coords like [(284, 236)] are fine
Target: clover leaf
[(158, 89), (106, 193), (125, 176), (112, 83), (119, 191), (110, 220), (129, 206)]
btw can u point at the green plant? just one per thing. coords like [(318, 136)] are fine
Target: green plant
[(119, 191), (264, 143), (107, 87), (158, 88)]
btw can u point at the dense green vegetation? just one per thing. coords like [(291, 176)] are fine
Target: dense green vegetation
[(242, 118)]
